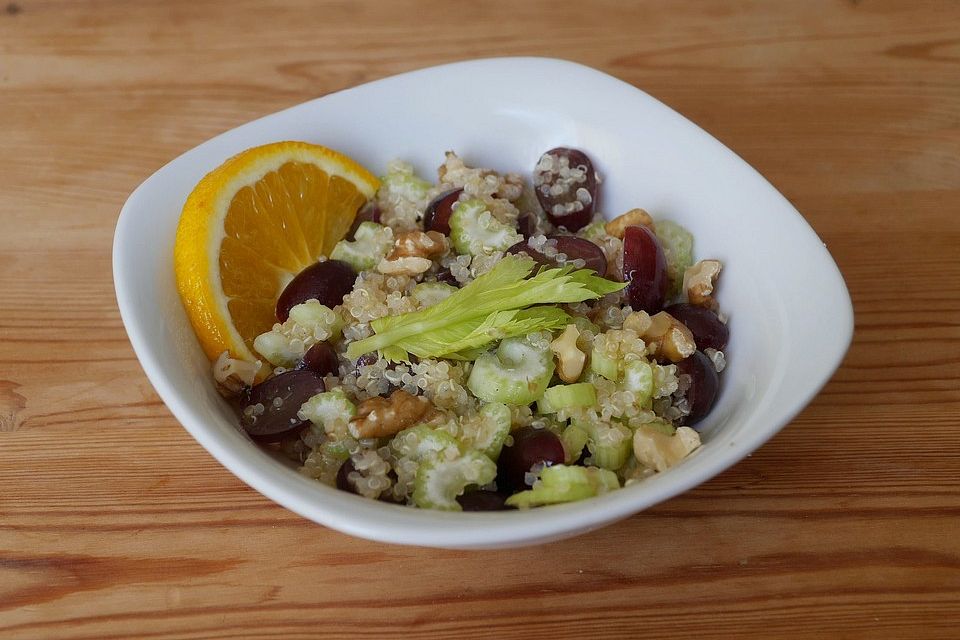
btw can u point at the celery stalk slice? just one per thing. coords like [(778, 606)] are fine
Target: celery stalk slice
[(567, 396)]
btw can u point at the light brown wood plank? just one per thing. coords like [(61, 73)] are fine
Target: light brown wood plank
[(114, 523)]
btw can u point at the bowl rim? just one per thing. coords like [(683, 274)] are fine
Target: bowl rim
[(403, 525)]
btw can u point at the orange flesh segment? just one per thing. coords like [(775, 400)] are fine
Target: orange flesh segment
[(256, 261)]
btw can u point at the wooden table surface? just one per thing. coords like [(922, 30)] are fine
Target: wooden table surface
[(114, 523)]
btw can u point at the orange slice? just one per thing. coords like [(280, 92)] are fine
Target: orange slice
[(252, 224)]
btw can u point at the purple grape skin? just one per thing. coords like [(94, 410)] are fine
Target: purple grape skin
[(322, 359), (482, 500), (577, 219), (526, 224), (645, 269), (530, 446), (370, 212), (293, 388), (446, 277), (387, 496), (328, 281), (372, 357), (436, 217), (708, 332), (343, 482), (365, 360), (704, 385), (573, 247)]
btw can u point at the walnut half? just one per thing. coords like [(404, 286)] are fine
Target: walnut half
[(656, 450), (404, 266), (669, 338), (381, 417), (232, 375), (412, 251), (699, 281)]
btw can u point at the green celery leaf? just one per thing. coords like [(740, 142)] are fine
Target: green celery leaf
[(492, 307)]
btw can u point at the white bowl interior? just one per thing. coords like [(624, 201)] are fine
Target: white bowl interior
[(790, 314)]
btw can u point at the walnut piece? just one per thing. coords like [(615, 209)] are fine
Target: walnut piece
[(420, 244), (412, 251), (699, 281), (381, 417), (404, 266), (656, 450), (570, 359), (632, 218), (231, 375), (669, 338)]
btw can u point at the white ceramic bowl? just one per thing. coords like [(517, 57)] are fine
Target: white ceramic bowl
[(791, 317)]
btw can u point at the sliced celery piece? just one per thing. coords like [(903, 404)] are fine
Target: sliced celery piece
[(337, 449), (439, 481), (574, 439), (405, 184), (610, 456), (422, 441), (493, 427), (371, 242), (638, 378), (562, 483), (474, 230), (604, 365), (516, 374), (328, 409), (567, 396), (609, 444)]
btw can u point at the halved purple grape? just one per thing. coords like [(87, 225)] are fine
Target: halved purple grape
[(436, 217), (566, 186), (271, 408), (704, 385), (645, 269), (708, 332), (370, 212), (321, 358), (327, 281), (482, 500), (571, 246), (530, 446)]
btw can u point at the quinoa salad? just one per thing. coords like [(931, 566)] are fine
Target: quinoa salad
[(486, 341)]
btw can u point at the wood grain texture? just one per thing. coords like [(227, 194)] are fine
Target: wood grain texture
[(114, 523)]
